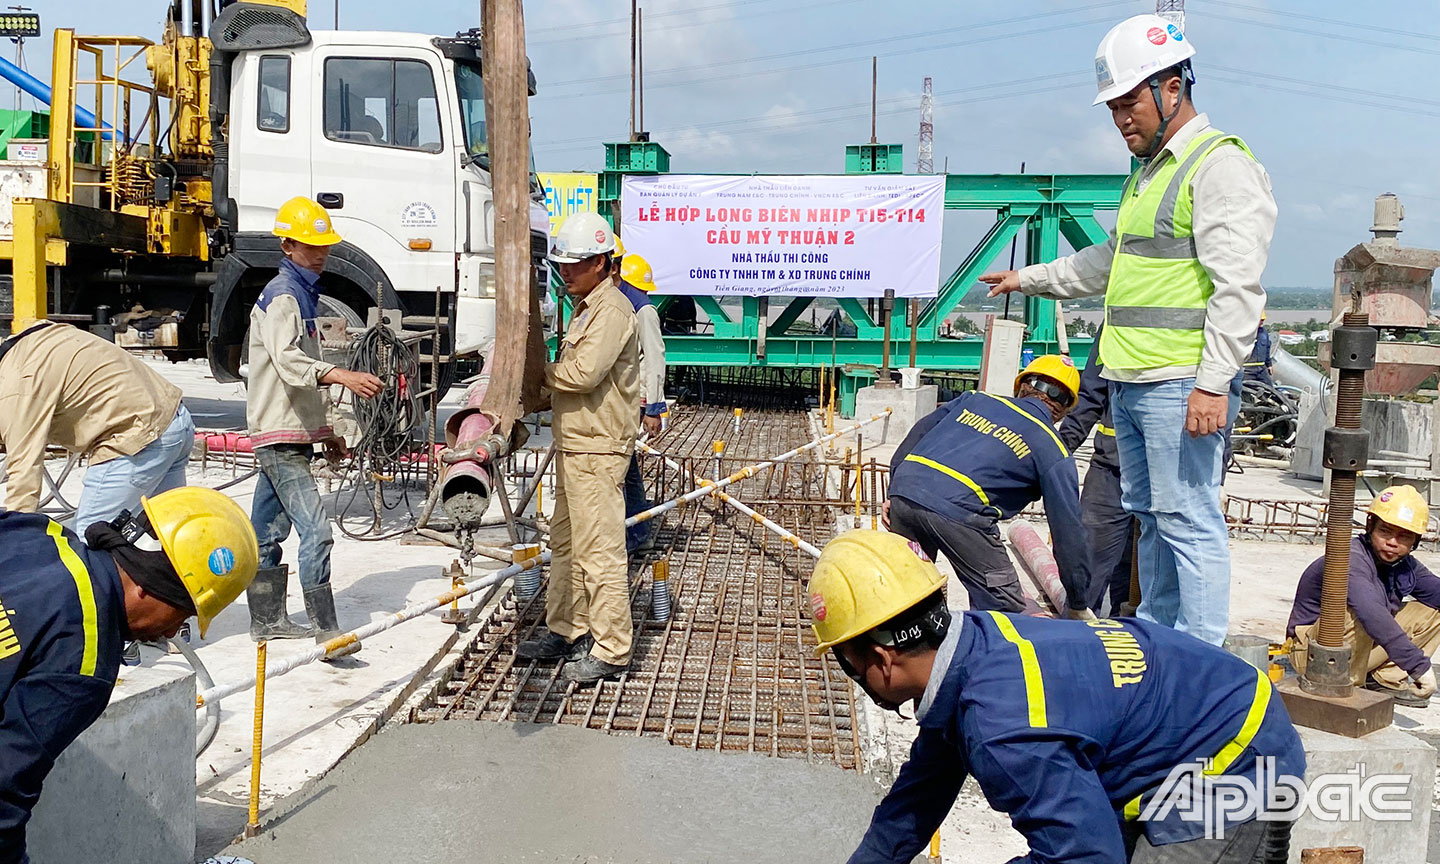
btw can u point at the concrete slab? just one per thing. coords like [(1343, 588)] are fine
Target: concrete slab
[(125, 790), (1388, 751), (909, 406), (479, 792)]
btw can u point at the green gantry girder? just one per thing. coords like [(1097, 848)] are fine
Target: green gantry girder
[(1046, 207)]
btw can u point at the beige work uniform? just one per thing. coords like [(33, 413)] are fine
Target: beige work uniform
[(595, 387), (60, 385), (1420, 623)]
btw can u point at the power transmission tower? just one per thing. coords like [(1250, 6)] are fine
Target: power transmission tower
[(926, 164), (1172, 11)]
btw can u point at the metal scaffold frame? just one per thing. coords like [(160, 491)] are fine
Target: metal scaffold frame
[(1046, 207)]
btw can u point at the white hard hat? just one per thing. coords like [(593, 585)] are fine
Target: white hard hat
[(1134, 50), (583, 235)]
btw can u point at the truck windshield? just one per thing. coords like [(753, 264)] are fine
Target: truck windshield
[(471, 89)]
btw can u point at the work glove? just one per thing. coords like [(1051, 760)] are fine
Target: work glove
[(1080, 615), (1424, 686)]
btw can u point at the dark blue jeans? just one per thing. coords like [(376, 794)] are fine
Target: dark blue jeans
[(635, 502), (285, 495)]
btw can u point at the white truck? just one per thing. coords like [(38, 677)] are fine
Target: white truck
[(384, 129)]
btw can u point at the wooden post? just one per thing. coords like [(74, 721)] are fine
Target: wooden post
[(519, 348)]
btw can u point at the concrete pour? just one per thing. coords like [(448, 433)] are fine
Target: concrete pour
[(476, 792)]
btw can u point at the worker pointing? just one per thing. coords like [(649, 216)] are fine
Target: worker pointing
[(1181, 278), (66, 607), (982, 458), (1072, 728)]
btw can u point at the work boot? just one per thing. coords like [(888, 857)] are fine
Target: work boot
[(320, 606), (1403, 697), (553, 646), (591, 669), (268, 619)]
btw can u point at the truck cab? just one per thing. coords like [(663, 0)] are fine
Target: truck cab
[(386, 130)]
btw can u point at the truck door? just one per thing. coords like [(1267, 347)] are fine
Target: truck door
[(383, 161), (269, 149)]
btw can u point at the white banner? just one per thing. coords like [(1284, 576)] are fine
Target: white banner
[(838, 236)]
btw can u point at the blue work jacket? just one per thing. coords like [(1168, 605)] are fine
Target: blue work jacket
[(1071, 727), (62, 628), (991, 456)]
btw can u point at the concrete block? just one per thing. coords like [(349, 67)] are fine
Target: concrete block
[(125, 790), (908, 407), (1388, 751)]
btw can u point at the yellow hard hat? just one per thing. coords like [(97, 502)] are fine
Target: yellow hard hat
[(637, 272), (619, 248), (1402, 507), (1057, 368), (863, 579), (210, 542), (304, 221)]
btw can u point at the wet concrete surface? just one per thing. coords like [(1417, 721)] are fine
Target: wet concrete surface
[(484, 792)]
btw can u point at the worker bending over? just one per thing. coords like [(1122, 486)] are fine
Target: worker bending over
[(1070, 727), (1392, 638), (981, 458), (287, 414), (1181, 279), (72, 389), (594, 387), (66, 607), (1108, 526), (637, 280)]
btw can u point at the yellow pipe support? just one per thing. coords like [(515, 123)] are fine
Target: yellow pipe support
[(252, 827), (935, 848)]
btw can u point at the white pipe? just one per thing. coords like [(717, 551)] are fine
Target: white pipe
[(749, 471), (783, 533), (320, 652)]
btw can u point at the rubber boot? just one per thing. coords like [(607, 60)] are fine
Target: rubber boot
[(320, 606), (268, 619)]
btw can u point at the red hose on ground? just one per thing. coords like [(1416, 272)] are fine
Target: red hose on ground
[(1039, 562)]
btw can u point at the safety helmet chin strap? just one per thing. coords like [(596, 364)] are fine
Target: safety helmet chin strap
[(1187, 77)]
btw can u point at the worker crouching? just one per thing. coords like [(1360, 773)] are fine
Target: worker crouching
[(1392, 638), (1072, 728), (981, 458), (594, 387), (66, 607)]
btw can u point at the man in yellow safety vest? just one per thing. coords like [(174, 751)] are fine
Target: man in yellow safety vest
[(1181, 278)]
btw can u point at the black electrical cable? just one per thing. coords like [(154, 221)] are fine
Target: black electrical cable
[(386, 448)]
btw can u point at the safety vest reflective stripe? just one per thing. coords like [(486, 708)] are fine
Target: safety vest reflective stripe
[(1163, 317), (1034, 681), (1222, 761), (86, 592), (1256, 363), (1158, 247), (1031, 417), (1105, 430), (951, 472)]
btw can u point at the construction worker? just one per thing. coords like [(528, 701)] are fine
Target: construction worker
[(72, 389), (637, 280), (1181, 278), (66, 606), (286, 413), (982, 458), (1257, 365), (1108, 526), (1071, 728), (594, 387), (1393, 638)]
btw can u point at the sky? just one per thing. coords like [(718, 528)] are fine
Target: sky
[(1333, 102)]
